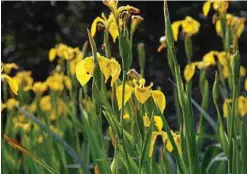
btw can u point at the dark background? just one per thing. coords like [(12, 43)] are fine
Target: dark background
[(30, 29)]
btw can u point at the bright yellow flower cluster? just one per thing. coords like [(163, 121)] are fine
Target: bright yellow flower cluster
[(72, 55), (189, 25), (46, 104), (109, 68), (142, 93), (24, 79), (242, 106), (57, 82), (10, 104), (210, 59), (65, 52)]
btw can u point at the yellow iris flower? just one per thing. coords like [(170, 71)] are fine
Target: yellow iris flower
[(65, 52), (10, 104), (109, 68), (167, 143), (225, 71), (109, 24), (39, 87), (24, 79), (8, 67), (242, 106), (220, 6), (55, 82), (236, 25), (142, 93), (189, 25), (45, 103)]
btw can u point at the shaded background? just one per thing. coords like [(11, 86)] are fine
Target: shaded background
[(30, 29)]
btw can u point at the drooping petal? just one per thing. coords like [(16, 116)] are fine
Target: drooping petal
[(52, 54), (127, 94), (12, 83), (158, 122), (115, 71), (206, 8), (84, 70), (94, 25), (209, 58), (175, 29), (166, 141), (142, 94), (113, 30), (159, 99), (189, 71), (153, 138), (104, 64), (218, 27)]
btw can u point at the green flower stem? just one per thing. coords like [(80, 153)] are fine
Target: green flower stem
[(107, 44), (204, 89), (188, 48)]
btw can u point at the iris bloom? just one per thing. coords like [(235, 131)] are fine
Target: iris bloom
[(142, 93), (109, 24), (109, 68), (65, 52), (209, 59), (10, 104), (55, 82), (189, 25), (236, 25), (219, 6), (225, 71), (8, 67), (24, 79), (242, 106), (166, 141), (39, 87)]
